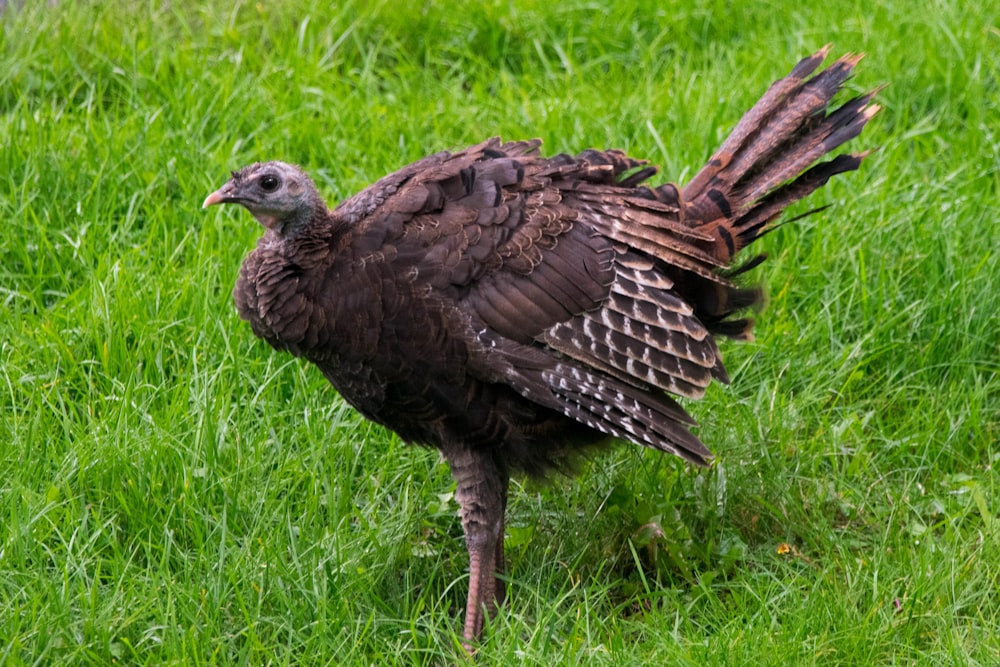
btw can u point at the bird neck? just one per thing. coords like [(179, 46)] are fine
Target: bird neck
[(306, 217)]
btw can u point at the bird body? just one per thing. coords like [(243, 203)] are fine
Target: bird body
[(513, 310)]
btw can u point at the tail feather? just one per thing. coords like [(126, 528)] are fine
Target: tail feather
[(756, 222), (752, 120), (764, 164), (769, 145), (770, 160), (839, 127)]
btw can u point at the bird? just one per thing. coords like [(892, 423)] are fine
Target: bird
[(517, 311)]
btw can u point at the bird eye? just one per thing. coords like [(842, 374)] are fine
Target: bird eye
[(269, 182)]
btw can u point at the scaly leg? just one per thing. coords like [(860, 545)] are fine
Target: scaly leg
[(482, 495)]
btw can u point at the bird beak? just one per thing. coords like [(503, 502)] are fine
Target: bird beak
[(220, 196)]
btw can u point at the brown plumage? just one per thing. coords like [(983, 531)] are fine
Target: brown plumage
[(512, 309)]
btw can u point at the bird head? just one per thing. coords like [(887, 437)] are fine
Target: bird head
[(279, 195)]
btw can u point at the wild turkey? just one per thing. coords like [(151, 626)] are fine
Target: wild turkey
[(513, 310)]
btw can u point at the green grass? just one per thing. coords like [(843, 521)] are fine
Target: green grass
[(173, 492)]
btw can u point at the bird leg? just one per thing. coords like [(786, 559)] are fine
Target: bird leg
[(481, 492)]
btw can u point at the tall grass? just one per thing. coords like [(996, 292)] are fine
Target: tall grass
[(173, 492)]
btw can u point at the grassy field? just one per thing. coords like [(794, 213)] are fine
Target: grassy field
[(172, 492)]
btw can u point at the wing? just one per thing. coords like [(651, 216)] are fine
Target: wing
[(561, 270)]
